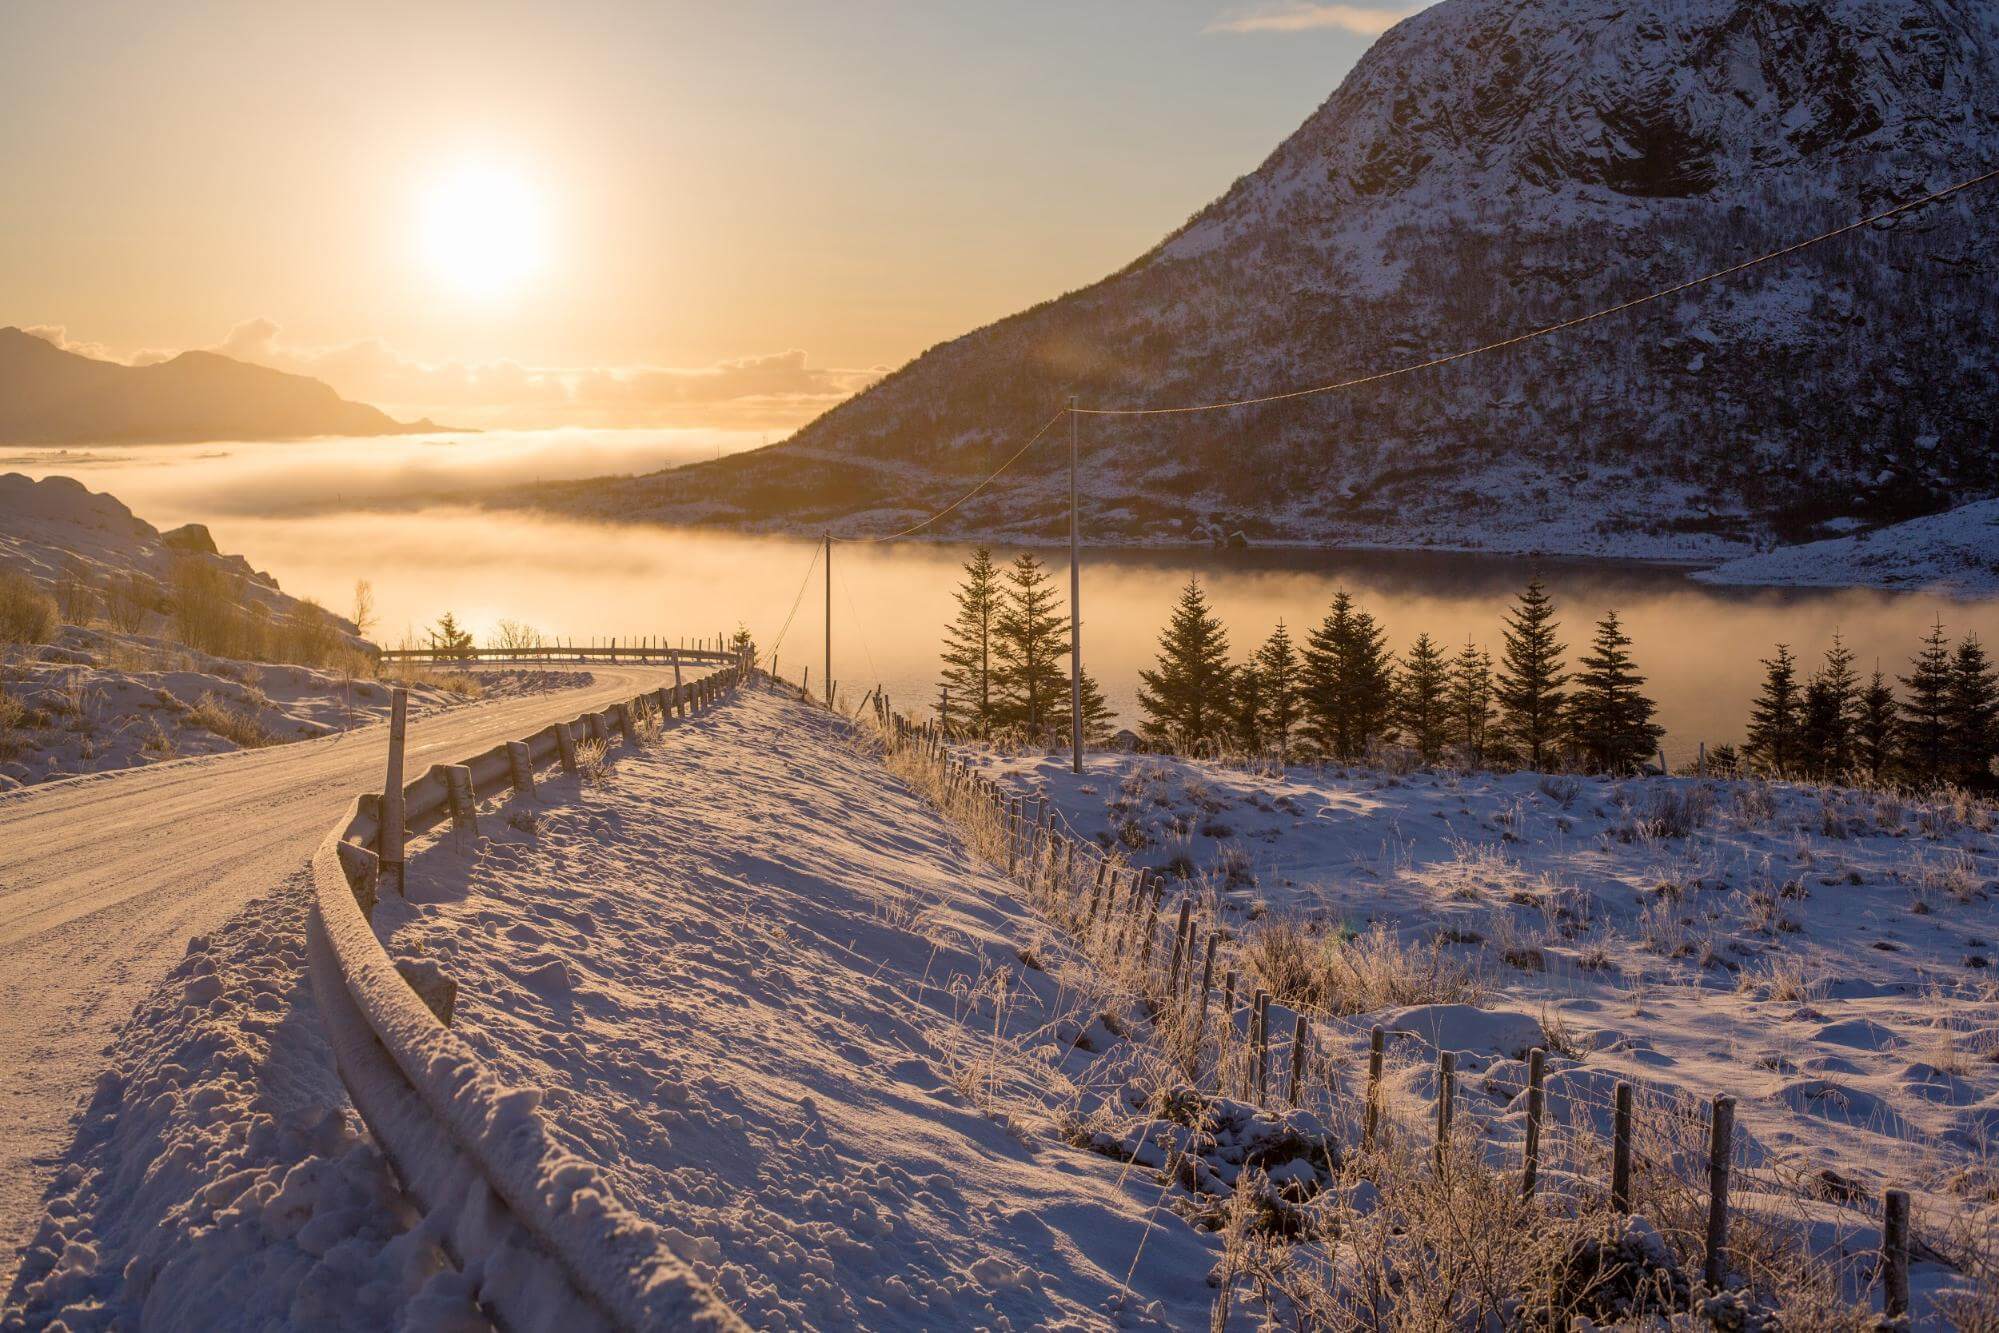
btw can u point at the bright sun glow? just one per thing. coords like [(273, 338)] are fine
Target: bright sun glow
[(482, 230)]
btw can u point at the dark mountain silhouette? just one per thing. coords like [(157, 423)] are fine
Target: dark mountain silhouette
[(50, 396), (1488, 167)]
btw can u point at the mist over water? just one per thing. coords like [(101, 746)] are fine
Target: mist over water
[(313, 514)]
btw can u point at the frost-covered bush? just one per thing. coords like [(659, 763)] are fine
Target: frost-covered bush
[(27, 614)]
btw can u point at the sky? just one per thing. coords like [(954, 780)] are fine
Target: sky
[(620, 212)]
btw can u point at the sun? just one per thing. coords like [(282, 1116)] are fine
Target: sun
[(482, 230)]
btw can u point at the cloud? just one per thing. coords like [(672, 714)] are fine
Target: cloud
[(780, 389), (57, 335), (1363, 20)]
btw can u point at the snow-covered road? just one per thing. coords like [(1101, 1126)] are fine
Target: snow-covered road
[(104, 880)]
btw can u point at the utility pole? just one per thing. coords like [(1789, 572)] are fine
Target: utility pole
[(1075, 616), (829, 620)]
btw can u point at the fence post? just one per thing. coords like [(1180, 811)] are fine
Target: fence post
[(389, 843), (1895, 1253), (520, 766), (464, 805), (565, 742), (1721, 1134), (625, 727), (1152, 922), (1300, 1032), (1371, 1114), (1207, 980), (1537, 1101), (1180, 943), (1262, 1047), (1447, 1092), (1620, 1150)]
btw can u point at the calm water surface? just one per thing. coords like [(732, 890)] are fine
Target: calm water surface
[(287, 508)]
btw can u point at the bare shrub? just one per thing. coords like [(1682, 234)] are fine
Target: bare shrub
[(27, 614), (76, 595), (592, 763), (129, 600), (232, 724)]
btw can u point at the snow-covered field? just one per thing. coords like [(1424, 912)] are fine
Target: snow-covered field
[(93, 702), (1823, 955)]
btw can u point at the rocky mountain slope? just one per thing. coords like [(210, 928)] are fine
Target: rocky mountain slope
[(51, 396), (1488, 167)]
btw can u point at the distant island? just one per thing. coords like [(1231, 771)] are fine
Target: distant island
[(50, 396)]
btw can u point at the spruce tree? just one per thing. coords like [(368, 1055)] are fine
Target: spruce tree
[(1529, 689), (447, 641), (1349, 684), (1610, 718), (1246, 706), (968, 649), (1422, 705), (1926, 710), (1186, 700), (1973, 703), (1830, 713), (1099, 722), (1030, 641), (1470, 703), (1877, 732), (1773, 718), (1277, 679)]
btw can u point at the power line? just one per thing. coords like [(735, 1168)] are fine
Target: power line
[(796, 602), (918, 527), (1519, 338)]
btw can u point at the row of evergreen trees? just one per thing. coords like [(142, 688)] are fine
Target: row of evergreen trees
[(1344, 692), (1944, 727), (1006, 657)]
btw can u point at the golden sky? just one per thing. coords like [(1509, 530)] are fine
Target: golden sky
[(614, 213)]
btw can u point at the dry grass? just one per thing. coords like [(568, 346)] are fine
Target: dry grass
[(593, 762), (212, 713), (460, 683), (27, 614), (13, 723)]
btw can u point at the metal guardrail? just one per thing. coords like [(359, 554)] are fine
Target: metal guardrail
[(553, 1247)]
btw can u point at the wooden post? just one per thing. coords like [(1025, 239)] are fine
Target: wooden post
[(1895, 1253), (1721, 1135), (1620, 1150), (598, 731), (1207, 980), (1537, 1101), (1181, 940), (1447, 1091), (1152, 922), (520, 765), (464, 805), (565, 742), (1012, 835), (1300, 1033), (1371, 1114), (1262, 1045), (389, 844), (625, 725)]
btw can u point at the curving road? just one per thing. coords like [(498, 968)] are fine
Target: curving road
[(103, 880)]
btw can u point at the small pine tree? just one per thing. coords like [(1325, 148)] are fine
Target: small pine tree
[(1973, 701), (1186, 700), (1349, 683), (1877, 731), (1246, 706), (1422, 705), (1610, 718), (1099, 722), (1926, 710), (1277, 678), (1470, 703), (1030, 642), (448, 642), (1830, 714), (1529, 690), (1773, 718), (965, 691)]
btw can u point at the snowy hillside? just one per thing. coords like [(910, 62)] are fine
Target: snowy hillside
[(1490, 167)]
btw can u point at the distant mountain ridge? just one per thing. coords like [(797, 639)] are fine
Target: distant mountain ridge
[(52, 396), (1490, 166)]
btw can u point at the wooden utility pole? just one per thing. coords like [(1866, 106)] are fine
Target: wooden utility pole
[(829, 620), (1075, 616)]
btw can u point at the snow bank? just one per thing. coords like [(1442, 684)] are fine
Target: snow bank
[(1955, 552), (218, 1180)]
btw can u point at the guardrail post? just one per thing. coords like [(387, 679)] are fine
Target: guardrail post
[(565, 742), (464, 805), (389, 841), (520, 765), (594, 723), (625, 727)]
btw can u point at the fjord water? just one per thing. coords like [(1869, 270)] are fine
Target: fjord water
[(313, 515)]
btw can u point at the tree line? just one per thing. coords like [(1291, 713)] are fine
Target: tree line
[(1943, 727)]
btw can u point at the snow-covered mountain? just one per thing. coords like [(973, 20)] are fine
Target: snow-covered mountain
[(1488, 167)]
